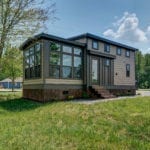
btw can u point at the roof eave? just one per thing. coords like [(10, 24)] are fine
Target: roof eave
[(89, 35), (51, 37)]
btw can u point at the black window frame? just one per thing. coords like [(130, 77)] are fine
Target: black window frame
[(34, 71), (61, 66), (127, 53), (107, 62), (118, 48), (95, 41), (105, 48), (127, 70)]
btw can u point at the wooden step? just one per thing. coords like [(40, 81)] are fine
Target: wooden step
[(101, 92)]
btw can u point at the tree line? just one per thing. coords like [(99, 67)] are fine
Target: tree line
[(142, 70)]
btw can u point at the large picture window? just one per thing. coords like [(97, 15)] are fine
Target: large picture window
[(32, 61), (65, 61)]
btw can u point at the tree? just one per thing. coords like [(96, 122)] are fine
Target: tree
[(12, 64), (22, 17), (143, 70)]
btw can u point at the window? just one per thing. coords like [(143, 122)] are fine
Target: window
[(118, 51), (54, 58), (54, 47), (66, 72), (127, 70), (32, 61), (95, 44), (127, 53), (65, 63), (77, 67), (77, 61), (107, 62), (67, 49), (55, 71), (67, 60), (107, 48), (77, 51)]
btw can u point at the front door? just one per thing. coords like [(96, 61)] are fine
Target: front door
[(94, 71)]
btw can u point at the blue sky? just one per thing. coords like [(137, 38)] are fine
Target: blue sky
[(125, 21)]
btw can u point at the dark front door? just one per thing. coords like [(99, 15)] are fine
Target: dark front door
[(95, 71)]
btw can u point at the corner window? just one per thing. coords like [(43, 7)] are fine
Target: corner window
[(55, 71), (107, 48), (127, 70), (32, 61), (66, 72), (77, 51), (67, 49), (95, 44), (118, 51), (65, 62), (54, 47), (127, 53), (54, 58)]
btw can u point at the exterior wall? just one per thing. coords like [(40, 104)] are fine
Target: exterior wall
[(47, 89), (119, 64), (49, 92), (82, 40)]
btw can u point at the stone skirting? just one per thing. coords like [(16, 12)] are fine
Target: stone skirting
[(123, 92), (45, 95)]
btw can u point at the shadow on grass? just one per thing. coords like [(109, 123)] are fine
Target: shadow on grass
[(18, 105)]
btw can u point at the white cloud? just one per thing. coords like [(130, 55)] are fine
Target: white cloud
[(127, 28)]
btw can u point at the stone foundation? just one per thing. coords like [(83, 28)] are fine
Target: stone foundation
[(67, 93), (123, 92), (45, 95)]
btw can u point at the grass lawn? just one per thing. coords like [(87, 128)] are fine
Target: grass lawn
[(122, 124)]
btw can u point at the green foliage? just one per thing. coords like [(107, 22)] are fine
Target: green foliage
[(122, 124), (5, 96), (20, 19), (12, 63), (85, 95), (143, 70)]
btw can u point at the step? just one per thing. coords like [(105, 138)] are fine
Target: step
[(101, 92)]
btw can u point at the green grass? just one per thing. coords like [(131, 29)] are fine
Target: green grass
[(123, 124)]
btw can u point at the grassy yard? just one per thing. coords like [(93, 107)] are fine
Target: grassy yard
[(123, 124)]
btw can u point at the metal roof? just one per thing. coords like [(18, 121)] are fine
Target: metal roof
[(50, 37), (89, 35)]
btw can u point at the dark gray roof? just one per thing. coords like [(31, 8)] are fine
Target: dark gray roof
[(89, 35), (50, 37)]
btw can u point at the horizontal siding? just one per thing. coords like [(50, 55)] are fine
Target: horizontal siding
[(119, 64)]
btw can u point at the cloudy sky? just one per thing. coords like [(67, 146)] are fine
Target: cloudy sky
[(125, 21)]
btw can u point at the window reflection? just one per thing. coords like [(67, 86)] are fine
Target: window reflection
[(77, 51), (77, 61), (67, 49), (55, 58), (66, 72), (65, 63), (67, 60)]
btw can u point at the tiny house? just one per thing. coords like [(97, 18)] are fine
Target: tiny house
[(56, 68)]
